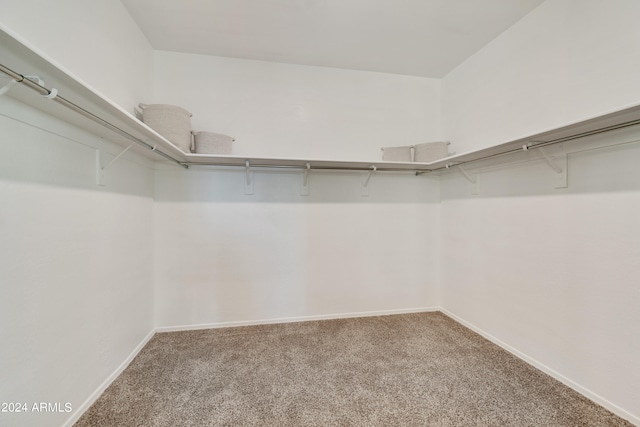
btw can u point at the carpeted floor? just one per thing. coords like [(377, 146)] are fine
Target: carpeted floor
[(403, 370)]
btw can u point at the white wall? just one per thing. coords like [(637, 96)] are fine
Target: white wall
[(223, 256), (96, 41), (284, 110), (276, 254), (551, 273), (75, 260), (565, 61), (75, 263)]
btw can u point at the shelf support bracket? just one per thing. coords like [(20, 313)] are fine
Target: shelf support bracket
[(475, 182), (365, 184), (116, 157), (466, 175), (248, 182), (560, 169), (304, 191), (559, 166), (100, 169), (557, 169), (4, 89)]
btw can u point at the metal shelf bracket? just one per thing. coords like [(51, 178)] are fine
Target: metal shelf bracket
[(248, 182), (304, 190), (559, 166), (4, 89), (557, 169), (365, 184), (467, 176), (100, 169), (475, 182), (463, 172)]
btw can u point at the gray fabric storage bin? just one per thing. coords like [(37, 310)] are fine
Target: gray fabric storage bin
[(212, 143), (396, 154), (170, 121), (430, 151)]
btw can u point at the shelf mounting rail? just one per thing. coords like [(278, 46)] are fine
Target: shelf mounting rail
[(531, 145), (53, 95)]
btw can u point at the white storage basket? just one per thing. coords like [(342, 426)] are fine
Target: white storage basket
[(430, 151), (170, 121), (212, 143), (396, 154)]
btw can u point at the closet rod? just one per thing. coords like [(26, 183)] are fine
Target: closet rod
[(19, 78), (541, 144), (304, 167)]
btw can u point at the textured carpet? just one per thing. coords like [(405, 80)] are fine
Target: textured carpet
[(415, 369)]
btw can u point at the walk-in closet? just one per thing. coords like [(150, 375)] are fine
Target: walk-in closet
[(319, 213)]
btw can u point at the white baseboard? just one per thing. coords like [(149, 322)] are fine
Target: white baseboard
[(294, 319), (75, 416), (566, 381)]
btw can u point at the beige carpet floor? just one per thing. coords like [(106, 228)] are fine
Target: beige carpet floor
[(402, 370)]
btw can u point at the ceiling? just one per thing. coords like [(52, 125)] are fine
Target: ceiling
[(425, 38)]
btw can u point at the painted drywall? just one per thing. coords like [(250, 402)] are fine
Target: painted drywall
[(566, 61), (96, 41), (284, 110), (75, 260), (276, 254), (75, 264), (225, 257), (551, 273)]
